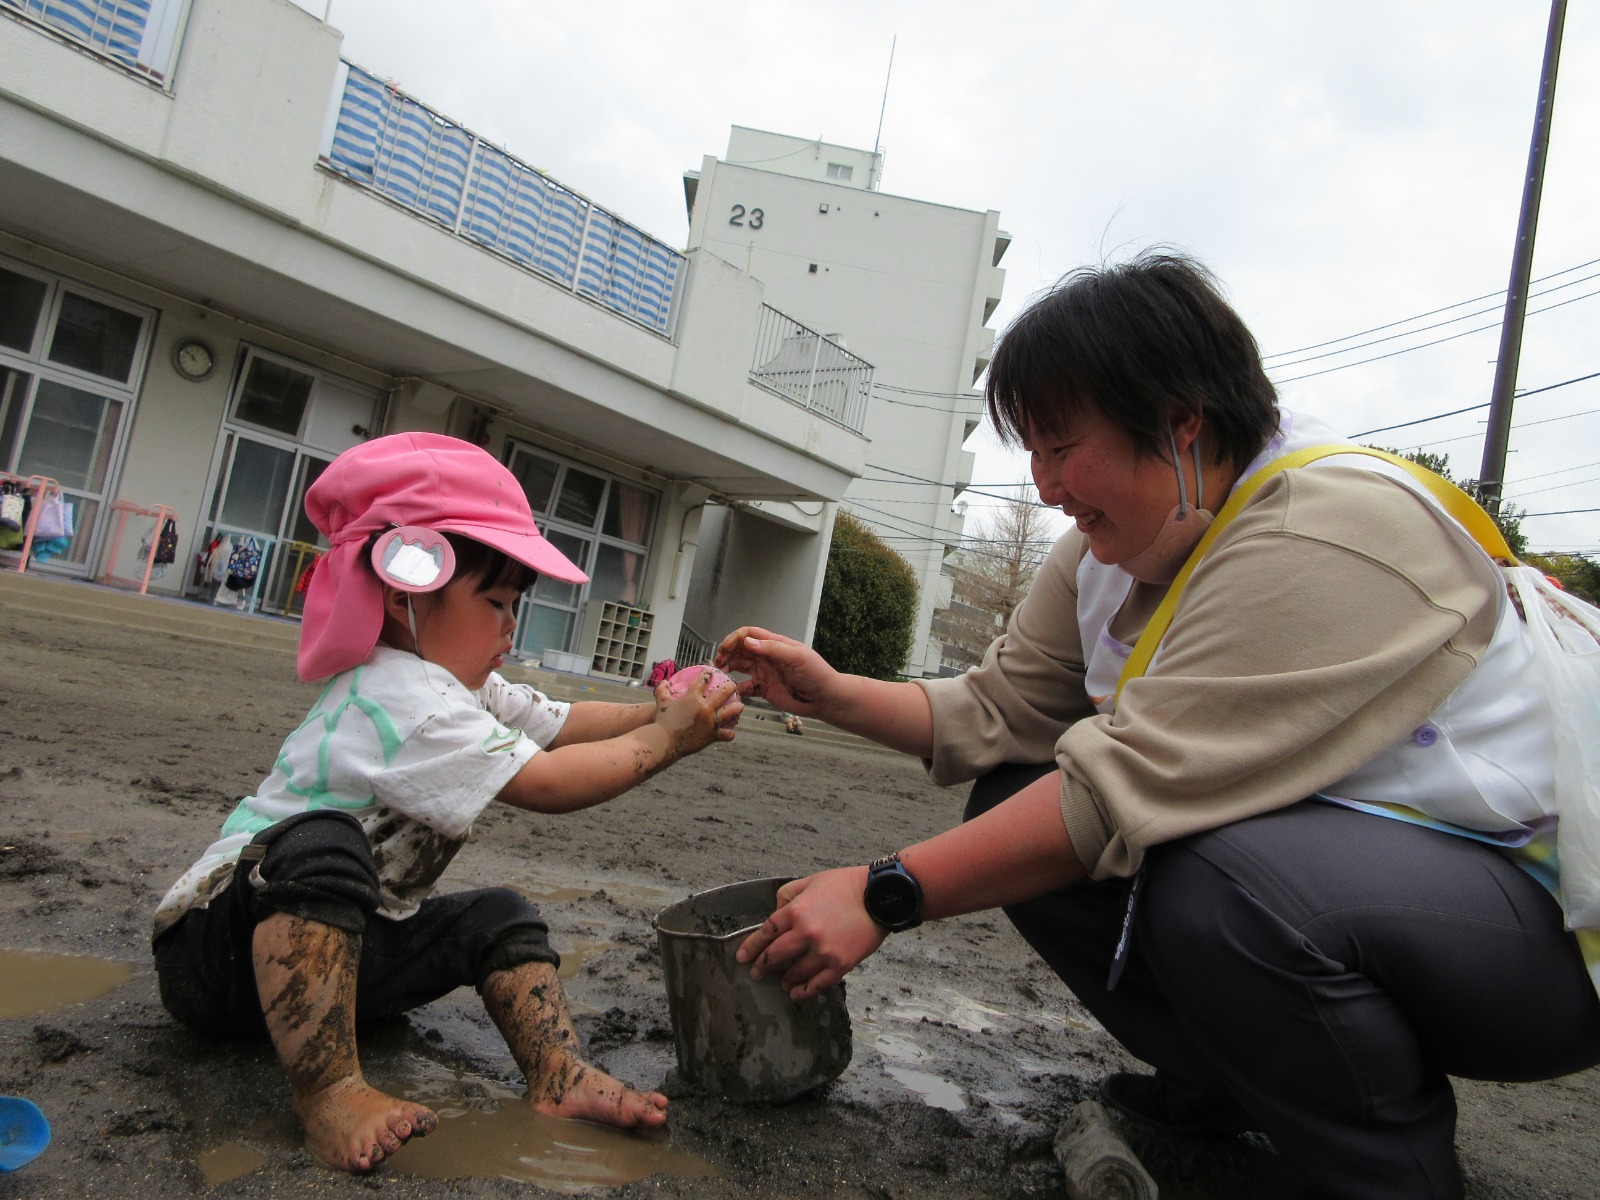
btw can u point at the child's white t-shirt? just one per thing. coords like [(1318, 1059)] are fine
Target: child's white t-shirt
[(404, 748)]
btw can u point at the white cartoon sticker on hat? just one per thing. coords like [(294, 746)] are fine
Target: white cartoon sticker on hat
[(413, 559)]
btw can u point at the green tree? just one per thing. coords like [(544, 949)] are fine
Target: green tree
[(868, 609), (1509, 517), (1579, 575)]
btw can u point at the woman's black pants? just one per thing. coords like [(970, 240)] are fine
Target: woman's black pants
[(1326, 970)]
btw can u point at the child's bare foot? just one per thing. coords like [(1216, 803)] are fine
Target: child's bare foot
[(351, 1126), (573, 1089)]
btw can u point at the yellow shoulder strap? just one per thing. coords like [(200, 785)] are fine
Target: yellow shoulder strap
[(1457, 503)]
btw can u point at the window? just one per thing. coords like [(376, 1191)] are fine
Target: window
[(21, 302), (70, 361), (840, 172), (273, 395), (602, 523), (94, 337), (286, 422)]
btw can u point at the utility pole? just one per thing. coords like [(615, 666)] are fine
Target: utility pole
[(1491, 475)]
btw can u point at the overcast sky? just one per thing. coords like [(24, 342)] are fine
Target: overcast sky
[(1341, 166)]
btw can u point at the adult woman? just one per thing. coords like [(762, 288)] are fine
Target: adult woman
[(1289, 962)]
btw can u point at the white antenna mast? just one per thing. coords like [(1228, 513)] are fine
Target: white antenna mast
[(877, 139)]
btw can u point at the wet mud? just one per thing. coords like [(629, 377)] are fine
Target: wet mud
[(124, 753)]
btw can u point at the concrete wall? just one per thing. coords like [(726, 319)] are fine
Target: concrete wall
[(751, 571), (807, 158)]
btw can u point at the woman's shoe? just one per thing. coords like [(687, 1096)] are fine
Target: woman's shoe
[(1148, 1100)]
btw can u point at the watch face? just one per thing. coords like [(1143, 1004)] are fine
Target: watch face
[(892, 899)]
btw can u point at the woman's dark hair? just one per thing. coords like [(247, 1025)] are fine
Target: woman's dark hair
[(1142, 342)]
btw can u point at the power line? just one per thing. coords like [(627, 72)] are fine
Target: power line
[(1431, 313), (1525, 425), (1455, 412), (1424, 345), (1425, 328)]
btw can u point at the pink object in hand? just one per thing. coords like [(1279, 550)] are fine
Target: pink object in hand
[(679, 683)]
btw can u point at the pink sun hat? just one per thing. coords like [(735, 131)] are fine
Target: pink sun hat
[(427, 479)]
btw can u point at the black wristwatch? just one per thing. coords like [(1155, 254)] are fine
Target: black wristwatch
[(893, 897)]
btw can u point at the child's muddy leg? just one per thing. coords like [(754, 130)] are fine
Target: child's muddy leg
[(306, 977), (531, 1013)]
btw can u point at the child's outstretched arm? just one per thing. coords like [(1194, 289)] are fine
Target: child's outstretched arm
[(582, 774), (597, 720)]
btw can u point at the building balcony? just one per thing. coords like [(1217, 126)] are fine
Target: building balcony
[(811, 370), (141, 35), (390, 142)]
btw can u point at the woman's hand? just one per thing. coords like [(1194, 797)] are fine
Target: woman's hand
[(788, 673), (702, 715), (818, 934)]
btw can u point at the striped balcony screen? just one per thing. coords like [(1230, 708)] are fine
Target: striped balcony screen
[(389, 142), (114, 27), (523, 215), (401, 148)]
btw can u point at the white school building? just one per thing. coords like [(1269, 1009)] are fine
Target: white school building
[(228, 254)]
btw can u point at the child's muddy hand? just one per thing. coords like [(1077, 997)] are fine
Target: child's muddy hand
[(701, 715)]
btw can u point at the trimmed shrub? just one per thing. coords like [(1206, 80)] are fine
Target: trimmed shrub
[(868, 608)]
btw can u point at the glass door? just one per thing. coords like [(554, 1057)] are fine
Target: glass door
[(261, 494), (69, 362)]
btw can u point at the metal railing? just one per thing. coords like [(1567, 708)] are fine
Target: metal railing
[(692, 648), (139, 34), (811, 369), (387, 141)]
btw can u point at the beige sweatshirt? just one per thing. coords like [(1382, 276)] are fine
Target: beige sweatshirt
[(1326, 622)]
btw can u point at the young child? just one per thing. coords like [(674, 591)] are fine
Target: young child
[(314, 909)]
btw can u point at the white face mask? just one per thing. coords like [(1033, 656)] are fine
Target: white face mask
[(1186, 524)]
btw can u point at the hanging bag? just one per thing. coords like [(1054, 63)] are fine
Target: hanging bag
[(1564, 635), (244, 564), (12, 508), (167, 544), (55, 519)]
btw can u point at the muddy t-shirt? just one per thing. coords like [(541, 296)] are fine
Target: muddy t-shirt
[(404, 748)]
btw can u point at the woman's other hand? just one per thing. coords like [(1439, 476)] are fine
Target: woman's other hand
[(818, 934), (789, 674)]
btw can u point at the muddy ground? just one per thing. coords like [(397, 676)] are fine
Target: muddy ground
[(122, 753)]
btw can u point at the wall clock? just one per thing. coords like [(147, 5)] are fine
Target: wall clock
[(193, 358)]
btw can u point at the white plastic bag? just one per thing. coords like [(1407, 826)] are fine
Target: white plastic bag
[(55, 519), (1564, 634)]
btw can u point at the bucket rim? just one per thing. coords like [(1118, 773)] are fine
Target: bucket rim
[(773, 881)]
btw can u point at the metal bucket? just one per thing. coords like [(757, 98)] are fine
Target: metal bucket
[(736, 1037)]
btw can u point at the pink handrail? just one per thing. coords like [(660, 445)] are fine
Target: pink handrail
[(41, 486), (125, 509)]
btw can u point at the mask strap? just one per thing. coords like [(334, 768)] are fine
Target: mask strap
[(411, 621), (1199, 479), (1177, 468)]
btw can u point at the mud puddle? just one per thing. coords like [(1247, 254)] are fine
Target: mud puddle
[(225, 1163), (33, 981), (511, 1141)]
